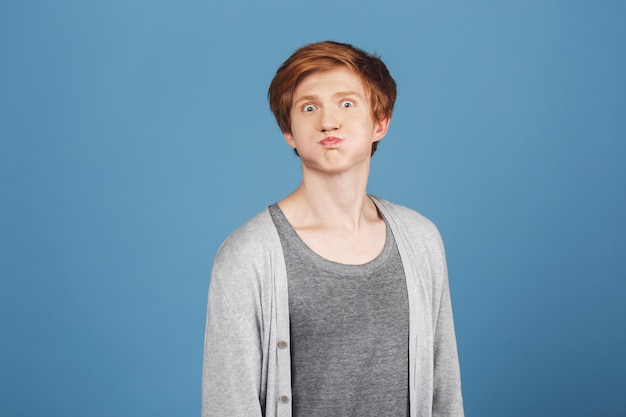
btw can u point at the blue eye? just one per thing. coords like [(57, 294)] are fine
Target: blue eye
[(347, 104), (308, 108)]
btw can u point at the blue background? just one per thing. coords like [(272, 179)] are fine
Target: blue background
[(135, 135)]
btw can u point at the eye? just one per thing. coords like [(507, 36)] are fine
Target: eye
[(308, 108), (347, 103)]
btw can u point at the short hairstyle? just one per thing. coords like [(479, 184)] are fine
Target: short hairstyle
[(323, 56)]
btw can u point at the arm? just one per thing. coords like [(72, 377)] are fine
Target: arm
[(232, 368), (447, 396)]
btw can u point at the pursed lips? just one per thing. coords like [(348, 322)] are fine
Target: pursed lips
[(330, 141)]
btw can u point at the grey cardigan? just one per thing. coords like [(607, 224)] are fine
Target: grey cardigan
[(247, 370)]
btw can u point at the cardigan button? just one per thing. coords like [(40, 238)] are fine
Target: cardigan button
[(284, 399), (283, 344)]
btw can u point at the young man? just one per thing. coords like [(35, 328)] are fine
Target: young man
[(331, 302)]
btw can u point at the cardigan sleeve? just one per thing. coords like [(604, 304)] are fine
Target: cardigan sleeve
[(447, 396), (233, 358)]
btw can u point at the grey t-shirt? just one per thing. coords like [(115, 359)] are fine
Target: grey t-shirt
[(349, 328)]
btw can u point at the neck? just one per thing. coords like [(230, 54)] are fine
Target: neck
[(337, 200)]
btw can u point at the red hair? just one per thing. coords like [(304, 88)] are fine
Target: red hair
[(323, 56)]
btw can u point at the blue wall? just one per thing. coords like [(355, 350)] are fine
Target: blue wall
[(135, 135)]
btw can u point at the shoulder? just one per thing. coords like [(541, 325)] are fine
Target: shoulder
[(406, 219), (420, 245), (249, 241), (245, 264)]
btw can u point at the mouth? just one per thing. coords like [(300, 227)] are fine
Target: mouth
[(330, 141)]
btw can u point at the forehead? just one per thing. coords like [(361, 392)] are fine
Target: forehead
[(339, 78)]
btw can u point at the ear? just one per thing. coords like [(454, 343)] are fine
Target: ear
[(289, 139), (380, 129)]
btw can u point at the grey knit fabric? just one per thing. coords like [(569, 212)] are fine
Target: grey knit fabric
[(349, 328), (247, 361)]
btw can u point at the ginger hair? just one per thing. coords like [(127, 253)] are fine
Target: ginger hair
[(323, 56)]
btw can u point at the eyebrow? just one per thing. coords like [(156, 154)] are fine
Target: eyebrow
[(315, 98)]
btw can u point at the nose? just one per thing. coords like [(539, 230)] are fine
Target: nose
[(328, 121)]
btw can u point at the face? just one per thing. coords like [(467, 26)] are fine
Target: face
[(332, 126)]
